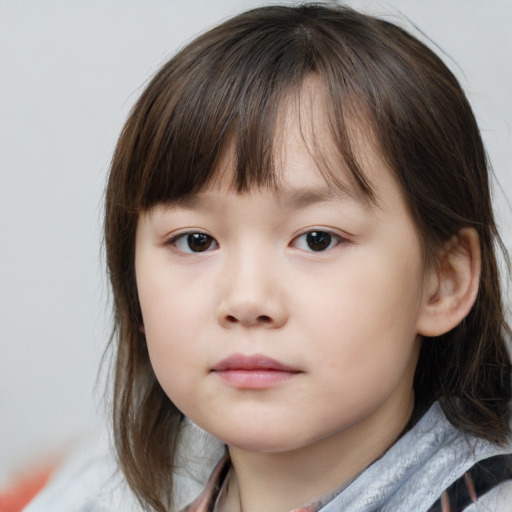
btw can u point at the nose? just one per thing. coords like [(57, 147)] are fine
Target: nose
[(251, 296)]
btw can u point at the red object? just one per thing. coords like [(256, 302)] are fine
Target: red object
[(24, 489)]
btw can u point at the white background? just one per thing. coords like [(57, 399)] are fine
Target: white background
[(69, 72)]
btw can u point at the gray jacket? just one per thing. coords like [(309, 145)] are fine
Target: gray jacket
[(409, 477)]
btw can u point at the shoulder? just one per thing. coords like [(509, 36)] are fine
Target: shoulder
[(87, 481), (90, 480), (414, 473), (485, 486), (498, 499)]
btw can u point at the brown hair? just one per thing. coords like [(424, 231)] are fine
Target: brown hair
[(228, 85)]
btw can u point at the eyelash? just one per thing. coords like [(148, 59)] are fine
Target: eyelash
[(186, 239), (324, 237), (327, 240)]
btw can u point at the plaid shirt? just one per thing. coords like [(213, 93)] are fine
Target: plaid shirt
[(206, 501), (478, 480)]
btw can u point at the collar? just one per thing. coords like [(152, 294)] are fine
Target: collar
[(214, 494)]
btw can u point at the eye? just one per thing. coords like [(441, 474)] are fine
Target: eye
[(316, 241), (194, 242)]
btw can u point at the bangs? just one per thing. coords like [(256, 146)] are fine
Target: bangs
[(229, 94), (230, 88)]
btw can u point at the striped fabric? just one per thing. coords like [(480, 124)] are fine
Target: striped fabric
[(478, 480), (206, 501)]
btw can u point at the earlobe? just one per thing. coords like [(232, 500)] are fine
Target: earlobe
[(452, 287)]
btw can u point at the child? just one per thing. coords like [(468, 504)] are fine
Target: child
[(301, 247)]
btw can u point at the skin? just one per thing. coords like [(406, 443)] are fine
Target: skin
[(346, 319)]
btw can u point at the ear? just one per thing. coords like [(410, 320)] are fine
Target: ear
[(451, 288)]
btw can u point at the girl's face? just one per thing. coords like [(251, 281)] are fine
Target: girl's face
[(280, 319)]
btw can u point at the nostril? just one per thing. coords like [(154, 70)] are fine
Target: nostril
[(261, 319)]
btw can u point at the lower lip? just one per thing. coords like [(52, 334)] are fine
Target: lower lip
[(255, 379)]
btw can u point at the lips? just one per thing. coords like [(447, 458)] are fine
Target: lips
[(253, 372)]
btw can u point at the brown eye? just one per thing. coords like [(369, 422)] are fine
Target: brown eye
[(194, 242), (199, 242), (316, 241)]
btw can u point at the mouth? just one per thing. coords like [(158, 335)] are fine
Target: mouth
[(253, 372)]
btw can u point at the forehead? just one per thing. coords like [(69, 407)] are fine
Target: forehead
[(305, 159), (308, 152)]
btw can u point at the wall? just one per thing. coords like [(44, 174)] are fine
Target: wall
[(70, 71)]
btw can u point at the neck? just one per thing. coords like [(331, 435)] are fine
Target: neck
[(279, 482)]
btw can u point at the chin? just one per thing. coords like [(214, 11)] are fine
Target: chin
[(262, 442)]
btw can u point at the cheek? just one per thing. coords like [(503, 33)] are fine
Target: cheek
[(171, 301), (369, 353), (171, 313), (171, 328), (174, 353), (365, 327), (374, 296)]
